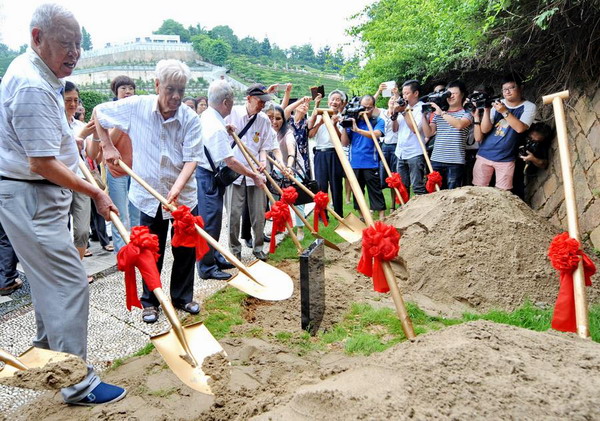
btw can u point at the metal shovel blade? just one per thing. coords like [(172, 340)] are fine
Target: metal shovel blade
[(352, 230), (275, 285), (31, 359), (202, 344)]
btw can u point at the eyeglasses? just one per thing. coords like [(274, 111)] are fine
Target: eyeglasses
[(511, 88)]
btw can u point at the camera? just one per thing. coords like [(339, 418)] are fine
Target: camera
[(402, 103), (351, 111), (530, 146), (438, 98), (479, 100)]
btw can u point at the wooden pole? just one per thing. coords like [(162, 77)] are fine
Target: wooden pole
[(581, 307), (266, 190), (366, 213), (421, 143), (381, 156)]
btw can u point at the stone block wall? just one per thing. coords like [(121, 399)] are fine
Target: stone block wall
[(545, 190)]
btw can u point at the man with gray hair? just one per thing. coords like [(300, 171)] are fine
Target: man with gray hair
[(217, 153), (165, 138), (38, 160)]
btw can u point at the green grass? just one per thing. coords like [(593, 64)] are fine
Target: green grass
[(147, 349), (222, 311)]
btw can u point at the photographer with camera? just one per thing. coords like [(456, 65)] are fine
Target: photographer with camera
[(451, 129), (364, 158), (328, 169), (533, 154), (411, 162), (499, 133)]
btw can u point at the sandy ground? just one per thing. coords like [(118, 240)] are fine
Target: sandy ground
[(466, 249)]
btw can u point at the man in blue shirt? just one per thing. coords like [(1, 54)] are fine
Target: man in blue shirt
[(363, 155)]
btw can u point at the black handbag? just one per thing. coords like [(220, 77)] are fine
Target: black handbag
[(224, 176), (303, 197)]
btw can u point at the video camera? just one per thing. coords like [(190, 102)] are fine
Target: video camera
[(402, 103), (438, 98), (530, 146), (351, 111), (479, 100)]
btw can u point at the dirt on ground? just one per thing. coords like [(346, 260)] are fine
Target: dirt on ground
[(52, 376), (470, 248)]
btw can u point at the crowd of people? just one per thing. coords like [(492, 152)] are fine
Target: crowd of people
[(183, 147)]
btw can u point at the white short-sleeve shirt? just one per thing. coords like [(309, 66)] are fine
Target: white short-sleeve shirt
[(215, 138)]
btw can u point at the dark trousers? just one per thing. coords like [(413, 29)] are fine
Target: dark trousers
[(8, 261), (98, 226), (182, 272), (389, 153), (329, 175), (210, 208), (412, 173), (452, 174), (370, 177), (519, 179)]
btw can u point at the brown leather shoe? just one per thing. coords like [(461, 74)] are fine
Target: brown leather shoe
[(15, 285)]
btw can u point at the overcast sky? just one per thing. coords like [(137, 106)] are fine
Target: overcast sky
[(286, 23)]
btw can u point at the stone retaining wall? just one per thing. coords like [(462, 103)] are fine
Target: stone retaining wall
[(545, 191)]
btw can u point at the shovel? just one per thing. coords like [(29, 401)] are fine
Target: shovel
[(245, 152), (350, 228), (183, 348), (381, 156), (364, 209), (421, 143), (296, 210), (274, 284)]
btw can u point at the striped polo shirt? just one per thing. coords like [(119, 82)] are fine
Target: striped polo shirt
[(450, 142)]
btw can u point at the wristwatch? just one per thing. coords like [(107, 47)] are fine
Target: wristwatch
[(505, 115)]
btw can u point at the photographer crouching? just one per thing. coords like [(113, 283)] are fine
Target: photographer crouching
[(533, 154)]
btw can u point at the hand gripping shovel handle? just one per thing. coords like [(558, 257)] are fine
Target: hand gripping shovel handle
[(421, 143), (581, 307), (364, 209), (158, 292), (381, 156), (307, 191), (215, 244), (250, 158)]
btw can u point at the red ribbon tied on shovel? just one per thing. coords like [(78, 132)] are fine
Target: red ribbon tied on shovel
[(565, 254), (289, 195), (380, 243), (321, 201), (395, 182), (280, 214), (141, 253), (433, 178), (185, 234)]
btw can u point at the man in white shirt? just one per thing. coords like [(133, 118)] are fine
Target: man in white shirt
[(258, 138), (411, 162), (166, 141), (217, 152), (38, 160)]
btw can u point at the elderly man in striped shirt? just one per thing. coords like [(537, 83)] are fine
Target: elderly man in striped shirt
[(166, 147)]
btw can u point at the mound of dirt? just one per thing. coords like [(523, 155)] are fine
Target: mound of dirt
[(53, 376), (480, 247), (478, 370)]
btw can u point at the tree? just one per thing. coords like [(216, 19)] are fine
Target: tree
[(225, 33), (172, 27), (195, 30), (249, 46), (215, 51), (265, 47), (90, 99), (86, 40)]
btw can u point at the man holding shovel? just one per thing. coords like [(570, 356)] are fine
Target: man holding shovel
[(38, 159), (166, 145)]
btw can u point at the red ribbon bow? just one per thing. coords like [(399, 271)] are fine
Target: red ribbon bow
[(321, 201), (395, 182), (379, 243), (565, 254), (141, 253), (280, 214), (433, 178), (185, 234), (289, 195)]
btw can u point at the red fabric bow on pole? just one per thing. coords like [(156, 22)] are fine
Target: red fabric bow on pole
[(321, 201), (280, 214), (433, 178), (290, 195), (395, 182), (565, 254), (141, 253), (380, 243), (185, 234)]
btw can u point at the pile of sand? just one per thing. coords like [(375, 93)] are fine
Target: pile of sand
[(476, 370)]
